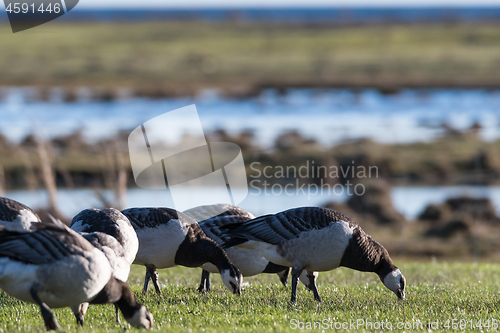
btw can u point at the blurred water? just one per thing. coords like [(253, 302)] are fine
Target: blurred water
[(329, 116), (409, 201), (331, 13)]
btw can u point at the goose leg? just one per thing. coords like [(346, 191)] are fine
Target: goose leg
[(284, 276), (295, 276), (205, 282), (206, 285), (117, 315), (312, 285), (154, 276), (146, 282), (48, 316), (294, 290)]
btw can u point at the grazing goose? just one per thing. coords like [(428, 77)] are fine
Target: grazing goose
[(249, 262), (316, 239), (111, 232), (169, 238), (15, 216), (55, 267)]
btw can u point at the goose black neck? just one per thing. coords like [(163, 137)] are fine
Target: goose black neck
[(127, 303), (366, 255), (119, 293), (111, 292), (197, 249), (219, 258), (386, 266)]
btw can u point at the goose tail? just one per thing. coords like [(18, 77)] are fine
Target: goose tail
[(57, 222)]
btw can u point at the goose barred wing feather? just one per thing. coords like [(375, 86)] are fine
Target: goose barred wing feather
[(101, 240), (46, 244), (92, 218), (10, 209), (100, 220), (212, 227), (267, 228), (153, 217), (204, 212), (277, 228)]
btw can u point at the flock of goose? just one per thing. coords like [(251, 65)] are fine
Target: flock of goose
[(54, 266)]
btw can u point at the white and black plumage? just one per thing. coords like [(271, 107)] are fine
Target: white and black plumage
[(15, 216), (201, 213), (168, 238), (249, 262), (111, 232), (316, 239), (55, 267)]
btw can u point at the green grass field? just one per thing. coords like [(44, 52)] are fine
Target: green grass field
[(436, 292), (151, 55)]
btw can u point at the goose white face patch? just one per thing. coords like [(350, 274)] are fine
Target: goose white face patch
[(142, 318), (395, 281), (233, 283)]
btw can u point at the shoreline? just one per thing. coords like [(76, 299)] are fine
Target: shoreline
[(70, 92)]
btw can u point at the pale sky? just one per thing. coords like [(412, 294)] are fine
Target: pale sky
[(276, 3)]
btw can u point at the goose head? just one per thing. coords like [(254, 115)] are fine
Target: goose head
[(396, 282), (141, 318), (232, 279)]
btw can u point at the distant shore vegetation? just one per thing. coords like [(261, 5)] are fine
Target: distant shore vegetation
[(456, 158), (178, 58)]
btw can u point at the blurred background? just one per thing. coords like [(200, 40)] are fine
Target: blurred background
[(411, 91)]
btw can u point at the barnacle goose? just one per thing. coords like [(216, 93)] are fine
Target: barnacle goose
[(15, 216), (249, 262), (316, 239), (111, 232), (168, 238), (55, 267)]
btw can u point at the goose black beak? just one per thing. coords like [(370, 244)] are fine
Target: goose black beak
[(401, 295)]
